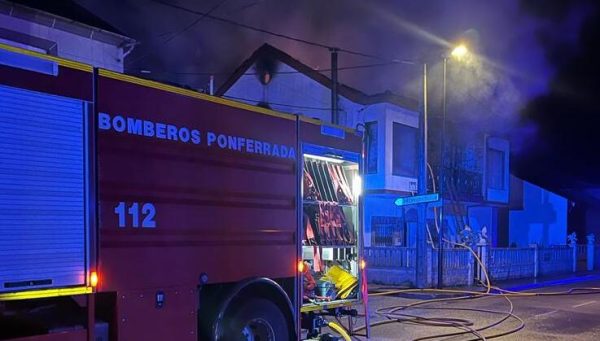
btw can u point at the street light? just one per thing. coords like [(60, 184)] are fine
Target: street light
[(459, 52)]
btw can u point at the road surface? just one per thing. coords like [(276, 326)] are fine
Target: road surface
[(566, 317)]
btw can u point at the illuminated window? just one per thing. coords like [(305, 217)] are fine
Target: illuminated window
[(371, 129), (495, 169), (404, 150)]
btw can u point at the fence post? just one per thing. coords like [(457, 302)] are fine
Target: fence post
[(536, 260), (470, 268), (483, 256), (573, 244), (590, 251), (429, 266)]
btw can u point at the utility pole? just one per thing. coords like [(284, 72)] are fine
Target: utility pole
[(421, 249), (440, 269), (335, 117)]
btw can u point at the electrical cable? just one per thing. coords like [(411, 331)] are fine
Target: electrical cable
[(280, 35), (342, 68), (185, 29), (280, 104)]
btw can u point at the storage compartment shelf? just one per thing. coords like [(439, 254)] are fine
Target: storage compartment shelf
[(330, 246), (316, 202), (316, 306), (335, 246)]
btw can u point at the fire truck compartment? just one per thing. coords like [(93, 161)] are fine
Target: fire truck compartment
[(43, 189)]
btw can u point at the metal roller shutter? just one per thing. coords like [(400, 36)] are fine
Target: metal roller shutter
[(42, 190)]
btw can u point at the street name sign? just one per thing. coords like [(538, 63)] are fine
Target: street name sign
[(417, 199)]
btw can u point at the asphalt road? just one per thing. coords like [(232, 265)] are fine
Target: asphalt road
[(573, 317)]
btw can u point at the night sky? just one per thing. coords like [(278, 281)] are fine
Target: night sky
[(535, 80)]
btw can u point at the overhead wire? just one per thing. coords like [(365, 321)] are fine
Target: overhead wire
[(193, 23), (279, 104), (281, 35), (342, 68), (183, 30), (392, 314)]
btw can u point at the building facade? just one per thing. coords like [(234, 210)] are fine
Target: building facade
[(64, 30), (475, 174)]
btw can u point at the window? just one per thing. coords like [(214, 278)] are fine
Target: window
[(371, 129), (495, 169), (404, 150), (388, 231)]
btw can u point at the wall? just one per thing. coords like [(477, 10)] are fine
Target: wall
[(480, 216), (68, 45), (383, 206), (294, 92), (592, 221), (543, 219)]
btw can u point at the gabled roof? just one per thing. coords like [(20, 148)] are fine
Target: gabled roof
[(64, 13), (352, 94)]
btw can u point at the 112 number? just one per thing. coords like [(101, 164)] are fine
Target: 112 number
[(148, 213)]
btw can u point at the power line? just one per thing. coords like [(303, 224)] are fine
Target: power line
[(343, 68), (185, 29), (280, 35), (192, 24), (279, 104)]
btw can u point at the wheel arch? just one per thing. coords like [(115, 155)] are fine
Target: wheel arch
[(255, 287)]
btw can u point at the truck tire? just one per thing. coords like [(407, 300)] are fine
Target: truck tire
[(255, 319)]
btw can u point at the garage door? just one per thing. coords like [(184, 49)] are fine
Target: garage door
[(42, 190)]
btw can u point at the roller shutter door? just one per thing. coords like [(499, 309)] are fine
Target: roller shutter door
[(42, 190)]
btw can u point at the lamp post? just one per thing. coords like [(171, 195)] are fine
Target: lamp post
[(459, 52)]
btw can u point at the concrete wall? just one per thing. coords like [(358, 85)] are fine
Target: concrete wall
[(543, 219), (68, 45), (400, 276)]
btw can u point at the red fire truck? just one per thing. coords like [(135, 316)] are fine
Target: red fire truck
[(136, 210)]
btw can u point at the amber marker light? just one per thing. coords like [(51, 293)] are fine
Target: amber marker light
[(300, 266), (94, 278)]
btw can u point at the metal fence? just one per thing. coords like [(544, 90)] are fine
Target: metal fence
[(582, 252), (390, 257), (454, 259), (397, 264), (457, 266), (510, 263)]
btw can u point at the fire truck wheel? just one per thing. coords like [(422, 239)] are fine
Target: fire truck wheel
[(255, 319)]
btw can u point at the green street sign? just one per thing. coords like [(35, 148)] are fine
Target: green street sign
[(417, 199)]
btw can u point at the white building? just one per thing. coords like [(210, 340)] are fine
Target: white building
[(70, 32), (274, 79), (537, 216), (475, 170)]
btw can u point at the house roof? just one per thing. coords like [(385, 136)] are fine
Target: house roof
[(68, 12), (350, 93)]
